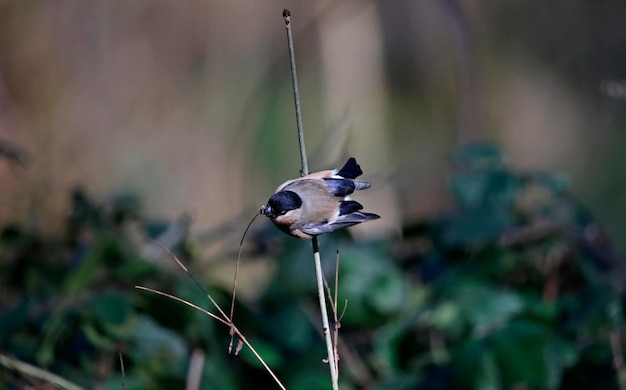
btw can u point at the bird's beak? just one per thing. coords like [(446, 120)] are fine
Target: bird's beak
[(266, 210)]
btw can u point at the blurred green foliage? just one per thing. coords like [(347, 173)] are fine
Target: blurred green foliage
[(517, 287)]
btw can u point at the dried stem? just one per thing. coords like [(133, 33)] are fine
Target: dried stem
[(305, 171), (232, 302), (296, 92), (232, 326), (194, 374), (36, 372), (332, 299), (224, 319), (123, 372)]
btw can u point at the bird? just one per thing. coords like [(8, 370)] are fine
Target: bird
[(318, 203)]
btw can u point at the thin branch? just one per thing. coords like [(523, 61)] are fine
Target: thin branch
[(181, 265), (234, 293), (296, 92), (330, 348), (354, 365), (232, 303), (170, 296), (345, 307), (194, 375), (224, 319), (36, 372), (332, 301), (123, 372), (336, 319), (305, 171), (232, 326)]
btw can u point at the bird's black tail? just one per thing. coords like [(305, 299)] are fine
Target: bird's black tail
[(350, 170)]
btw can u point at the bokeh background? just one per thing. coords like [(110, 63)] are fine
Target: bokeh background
[(181, 113)]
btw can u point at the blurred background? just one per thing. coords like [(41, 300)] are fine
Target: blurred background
[(176, 120)]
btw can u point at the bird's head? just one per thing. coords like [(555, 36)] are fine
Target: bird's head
[(280, 203)]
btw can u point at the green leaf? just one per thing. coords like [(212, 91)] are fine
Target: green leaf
[(112, 307), (218, 374), (478, 156), (309, 379), (447, 317), (475, 228), (560, 354), (13, 319), (270, 354), (297, 331), (152, 341), (475, 366), (485, 189), (520, 351), (386, 341), (134, 271), (486, 308), (131, 382), (371, 284), (97, 338)]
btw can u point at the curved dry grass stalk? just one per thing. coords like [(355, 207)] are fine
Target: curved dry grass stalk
[(226, 322), (224, 319), (36, 372)]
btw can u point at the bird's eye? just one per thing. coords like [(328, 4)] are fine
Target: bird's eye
[(283, 212)]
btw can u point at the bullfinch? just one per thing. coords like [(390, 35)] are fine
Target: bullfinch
[(318, 203)]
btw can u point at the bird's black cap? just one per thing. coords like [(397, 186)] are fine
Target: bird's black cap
[(283, 201)]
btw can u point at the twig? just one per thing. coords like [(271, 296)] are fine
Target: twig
[(305, 171), (336, 319), (332, 300), (193, 278), (296, 92), (123, 373), (354, 365), (36, 372), (234, 293), (225, 322), (194, 375), (224, 319), (325, 326)]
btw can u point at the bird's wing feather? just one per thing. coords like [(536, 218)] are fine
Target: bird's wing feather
[(361, 185), (341, 222), (349, 206), (344, 187), (339, 187), (350, 170)]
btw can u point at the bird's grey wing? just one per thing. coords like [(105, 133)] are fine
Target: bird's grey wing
[(344, 187), (343, 221)]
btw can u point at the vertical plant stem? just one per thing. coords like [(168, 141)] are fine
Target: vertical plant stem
[(305, 171), (332, 362), (296, 93)]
